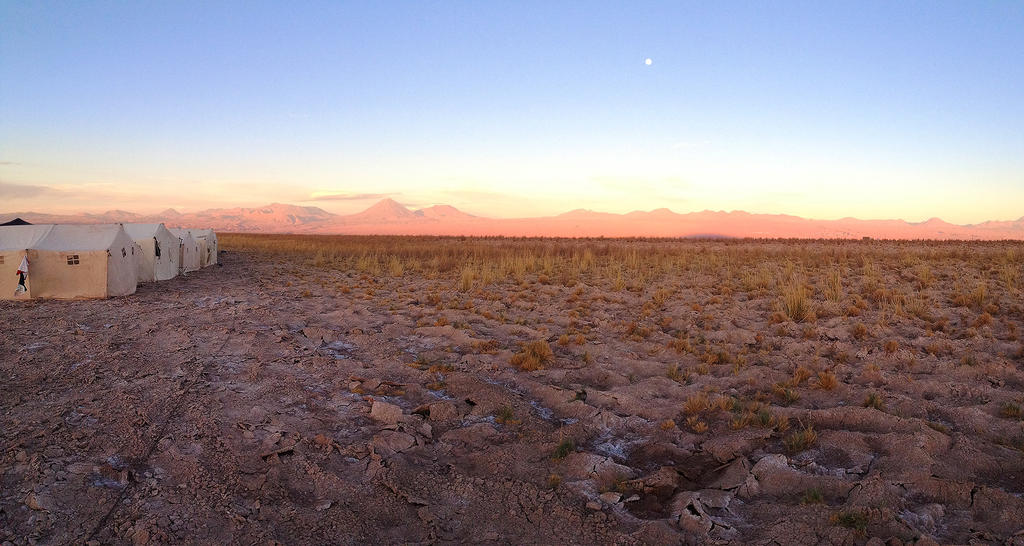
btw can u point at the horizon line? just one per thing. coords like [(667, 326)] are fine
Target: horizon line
[(412, 207)]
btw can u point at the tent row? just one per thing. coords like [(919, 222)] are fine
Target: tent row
[(96, 261)]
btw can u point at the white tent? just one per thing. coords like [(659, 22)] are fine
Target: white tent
[(188, 259), (207, 240), (83, 261), (14, 244), (160, 251), (210, 238)]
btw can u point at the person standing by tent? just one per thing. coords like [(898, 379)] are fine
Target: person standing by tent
[(22, 274)]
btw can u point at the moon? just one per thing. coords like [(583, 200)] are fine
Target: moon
[(648, 61)]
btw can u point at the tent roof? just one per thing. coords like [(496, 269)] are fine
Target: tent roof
[(181, 233), (16, 222), (22, 237), (198, 233), (143, 231), (80, 237)]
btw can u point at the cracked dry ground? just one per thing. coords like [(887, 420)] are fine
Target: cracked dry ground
[(265, 401)]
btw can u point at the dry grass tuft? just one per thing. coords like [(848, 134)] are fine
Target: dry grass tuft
[(833, 286), (786, 395), (506, 416), (489, 347), (681, 345), (725, 403), (1010, 274), (827, 381), (796, 304), (696, 404), (533, 356), (677, 374), (857, 520), (800, 374), (873, 400), (466, 280), (395, 267), (564, 448), (1010, 410), (812, 496), (974, 299), (696, 424), (800, 440)]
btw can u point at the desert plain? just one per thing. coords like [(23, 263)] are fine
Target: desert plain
[(356, 390)]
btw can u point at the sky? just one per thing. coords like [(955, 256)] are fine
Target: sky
[(825, 110)]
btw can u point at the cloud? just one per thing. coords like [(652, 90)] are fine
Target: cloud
[(476, 194), (21, 191), (347, 196), (65, 196)]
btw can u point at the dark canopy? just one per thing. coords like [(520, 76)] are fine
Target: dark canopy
[(16, 222)]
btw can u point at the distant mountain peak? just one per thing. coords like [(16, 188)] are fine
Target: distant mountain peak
[(577, 213), (284, 207), (114, 216), (442, 211), (383, 211), (662, 212)]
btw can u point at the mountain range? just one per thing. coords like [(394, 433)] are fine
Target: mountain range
[(388, 217)]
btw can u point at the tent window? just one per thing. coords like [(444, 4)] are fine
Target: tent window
[(124, 254), (72, 259), (1, 260), (156, 246)]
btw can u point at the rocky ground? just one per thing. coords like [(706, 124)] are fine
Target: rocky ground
[(784, 394)]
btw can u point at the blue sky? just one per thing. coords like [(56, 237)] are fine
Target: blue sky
[(867, 109)]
